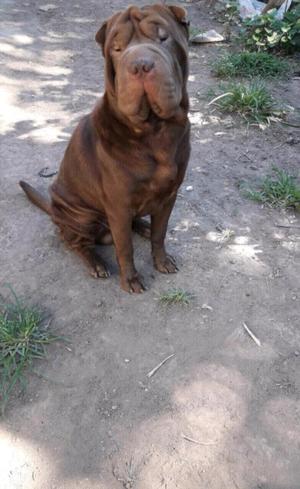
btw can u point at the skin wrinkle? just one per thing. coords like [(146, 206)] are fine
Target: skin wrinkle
[(132, 102)]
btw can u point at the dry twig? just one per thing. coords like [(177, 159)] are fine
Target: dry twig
[(198, 442), (252, 335), (155, 369)]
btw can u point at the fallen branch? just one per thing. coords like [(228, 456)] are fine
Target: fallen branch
[(155, 369), (198, 442), (252, 335)]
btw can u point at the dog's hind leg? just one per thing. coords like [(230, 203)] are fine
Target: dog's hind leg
[(81, 229), (94, 262)]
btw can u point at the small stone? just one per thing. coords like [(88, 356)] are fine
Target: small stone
[(193, 55), (189, 188), (253, 167), (208, 36), (297, 353), (114, 408), (48, 7), (291, 141), (126, 360)]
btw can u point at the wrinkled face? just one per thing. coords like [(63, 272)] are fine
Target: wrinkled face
[(146, 60)]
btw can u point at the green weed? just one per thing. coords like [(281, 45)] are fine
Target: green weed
[(252, 101), (250, 64), (277, 190), (23, 338), (176, 296)]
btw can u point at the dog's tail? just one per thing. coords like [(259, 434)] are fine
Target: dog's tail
[(36, 197)]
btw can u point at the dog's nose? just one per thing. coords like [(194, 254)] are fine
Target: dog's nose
[(141, 66)]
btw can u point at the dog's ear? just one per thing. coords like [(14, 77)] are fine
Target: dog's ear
[(180, 14), (101, 35)]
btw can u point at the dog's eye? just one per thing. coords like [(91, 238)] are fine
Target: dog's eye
[(117, 48), (162, 34)]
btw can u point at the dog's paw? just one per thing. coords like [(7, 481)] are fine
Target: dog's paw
[(133, 285), (99, 271), (166, 264)]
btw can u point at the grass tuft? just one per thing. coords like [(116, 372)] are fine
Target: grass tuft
[(251, 101), (249, 65), (176, 296), (22, 339), (279, 190)]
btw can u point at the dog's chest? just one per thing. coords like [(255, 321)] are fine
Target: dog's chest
[(156, 185)]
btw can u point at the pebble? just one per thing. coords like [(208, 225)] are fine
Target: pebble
[(189, 188), (48, 7)]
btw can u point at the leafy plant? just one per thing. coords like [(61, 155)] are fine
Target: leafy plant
[(249, 64), (252, 102), (229, 12), (279, 190), (22, 339), (267, 33)]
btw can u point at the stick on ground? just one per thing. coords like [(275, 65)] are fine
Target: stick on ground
[(198, 442), (252, 335), (155, 369)]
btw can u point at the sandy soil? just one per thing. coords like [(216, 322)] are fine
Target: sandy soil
[(93, 419)]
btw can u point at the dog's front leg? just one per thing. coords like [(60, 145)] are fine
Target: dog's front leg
[(120, 224), (159, 222)]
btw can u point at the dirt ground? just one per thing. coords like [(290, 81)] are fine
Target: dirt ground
[(92, 419)]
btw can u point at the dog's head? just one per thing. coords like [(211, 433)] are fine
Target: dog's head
[(145, 51)]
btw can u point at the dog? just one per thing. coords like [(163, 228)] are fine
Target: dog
[(128, 157)]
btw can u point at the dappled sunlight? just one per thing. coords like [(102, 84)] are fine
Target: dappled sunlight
[(46, 134), (241, 240), (200, 119), (25, 102), (185, 225), (23, 464), (247, 253), (291, 245), (22, 39), (40, 127), (58, 37), (37, 68), (10, 113), (181, 447)]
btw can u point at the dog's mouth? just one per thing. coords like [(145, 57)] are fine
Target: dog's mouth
[(150, 111)]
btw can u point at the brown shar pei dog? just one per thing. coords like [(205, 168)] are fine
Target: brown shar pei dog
[(128, 157)]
